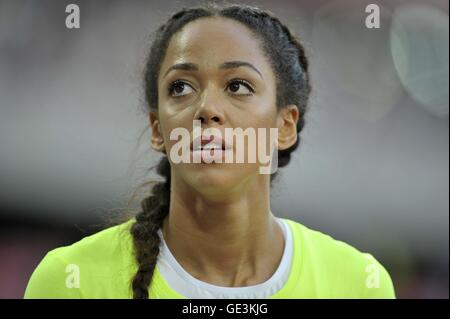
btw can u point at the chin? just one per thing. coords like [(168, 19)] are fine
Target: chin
[(214, 178)]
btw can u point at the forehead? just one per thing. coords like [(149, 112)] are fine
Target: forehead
[(212, 41)]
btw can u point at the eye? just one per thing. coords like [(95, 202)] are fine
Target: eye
[(239, 85), (179, 88)]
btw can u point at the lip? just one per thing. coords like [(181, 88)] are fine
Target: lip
[(205, 139)]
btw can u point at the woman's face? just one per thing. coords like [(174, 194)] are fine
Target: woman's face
[(211, 91)]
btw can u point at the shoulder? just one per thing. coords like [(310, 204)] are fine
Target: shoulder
[(339, 269), (97, 248), (69, 271)]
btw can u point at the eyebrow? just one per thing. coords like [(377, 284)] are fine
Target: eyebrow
[(223, 66)]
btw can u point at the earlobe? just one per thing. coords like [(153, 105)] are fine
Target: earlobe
[(287, 126), (157, 142)]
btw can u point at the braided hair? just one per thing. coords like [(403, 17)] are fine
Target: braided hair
[(290, 66)]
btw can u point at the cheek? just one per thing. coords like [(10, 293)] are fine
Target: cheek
[(258, 116), (175, 128), (259, 113), (171, 121)]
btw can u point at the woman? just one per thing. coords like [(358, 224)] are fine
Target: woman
[(207, 231)]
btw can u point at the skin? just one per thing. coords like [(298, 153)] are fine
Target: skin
[(220, 228)]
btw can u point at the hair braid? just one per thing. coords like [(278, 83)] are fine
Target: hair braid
[(284, 156), (145, 231)]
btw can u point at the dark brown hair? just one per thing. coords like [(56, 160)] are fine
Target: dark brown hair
[(289, 63)]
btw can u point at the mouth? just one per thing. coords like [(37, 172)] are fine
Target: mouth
[(209, 143), (209, 148)]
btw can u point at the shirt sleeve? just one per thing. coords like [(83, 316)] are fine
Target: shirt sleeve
[(54, 279), (378, 282)]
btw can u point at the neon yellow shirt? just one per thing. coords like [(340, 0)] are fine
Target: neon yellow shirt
[(102, 266)]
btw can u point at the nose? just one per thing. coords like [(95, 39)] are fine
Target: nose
[(209, 112)]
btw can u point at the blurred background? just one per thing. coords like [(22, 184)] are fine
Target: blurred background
[(372, 169)]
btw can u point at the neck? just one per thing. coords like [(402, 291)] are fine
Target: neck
[(229, 241)]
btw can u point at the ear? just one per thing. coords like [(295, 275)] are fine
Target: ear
[(157, 141), (287, 126)]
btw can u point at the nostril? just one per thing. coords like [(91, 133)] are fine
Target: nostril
[(216, 119)]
